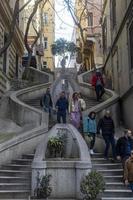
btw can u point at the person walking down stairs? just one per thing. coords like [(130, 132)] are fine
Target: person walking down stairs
[(90, 129), (128, 171), (124, 146), (106, 125)]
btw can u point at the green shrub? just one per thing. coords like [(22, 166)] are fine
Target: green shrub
[(92, 185), (56, 146), (44, 190)]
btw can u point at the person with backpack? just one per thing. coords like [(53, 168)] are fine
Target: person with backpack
[(98, 83), (90, 129), (46, 101)]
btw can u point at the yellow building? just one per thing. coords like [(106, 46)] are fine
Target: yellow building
[(49, 34), (10, 61), (44, 22), (90, 51)]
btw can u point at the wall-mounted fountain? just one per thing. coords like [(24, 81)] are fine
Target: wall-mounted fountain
[(68, 163)]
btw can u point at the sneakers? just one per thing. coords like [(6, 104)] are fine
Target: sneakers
[(91, 152)]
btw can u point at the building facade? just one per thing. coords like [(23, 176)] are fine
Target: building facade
[(44, 22), (90, 20), (11, 59), (49, 34), (117, 24)]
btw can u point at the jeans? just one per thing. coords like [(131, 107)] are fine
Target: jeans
[(99, 91), (109, 139), (61, 114), (47, 109), (93, 135)]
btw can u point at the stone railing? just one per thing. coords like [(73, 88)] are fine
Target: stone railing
[(33, 75), (24, 114)]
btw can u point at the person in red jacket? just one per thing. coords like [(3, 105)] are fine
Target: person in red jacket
[(98, 83)]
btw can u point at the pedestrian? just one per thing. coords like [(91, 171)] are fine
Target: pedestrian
[(90, 128), (128, 171), (98, 83), (82, 101), (124, 146), (47, 101), (106, 125), (75, 111), (62, 108)]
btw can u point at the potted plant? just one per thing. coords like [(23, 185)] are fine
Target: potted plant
[(92, 185), (56, 146), (43, 191)]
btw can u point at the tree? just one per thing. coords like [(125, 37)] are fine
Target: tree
[(62, 47), (15, 15), (38, 32)]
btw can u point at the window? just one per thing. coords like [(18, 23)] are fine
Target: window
[(45, 42), (45, 18), (113, 13), (131, 44), (44, 64), (90, 19)]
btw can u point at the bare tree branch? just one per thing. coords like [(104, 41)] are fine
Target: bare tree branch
[(13, 25)]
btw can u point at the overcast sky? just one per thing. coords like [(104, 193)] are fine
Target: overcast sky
[(63, 21)]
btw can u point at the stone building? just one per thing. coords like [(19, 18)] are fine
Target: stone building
[(10, 61), (117, 24), (91, 24)]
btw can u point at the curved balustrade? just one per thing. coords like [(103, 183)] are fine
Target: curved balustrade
[(23, 114)]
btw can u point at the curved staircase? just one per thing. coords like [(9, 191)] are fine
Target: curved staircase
[(15, 177)]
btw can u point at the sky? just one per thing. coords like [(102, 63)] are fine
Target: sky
[(63, 20)]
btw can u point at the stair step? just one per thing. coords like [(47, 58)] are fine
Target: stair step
[(17, 186), (5, 172), (111, 171), (22, 161), (115, 185), (107, 166), (16, 167), (16, 179), (14, 194), (113, 178), (117, 193)]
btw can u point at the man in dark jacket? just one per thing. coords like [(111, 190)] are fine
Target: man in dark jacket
[(62, 107), (106, 125), (124, 146), (47, 101)]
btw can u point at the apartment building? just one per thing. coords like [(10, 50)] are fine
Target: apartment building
[(10, 61), (117, 24), (91, 51)]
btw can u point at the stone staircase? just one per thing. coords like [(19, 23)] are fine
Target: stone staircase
[(15, 178), (113, 173)]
